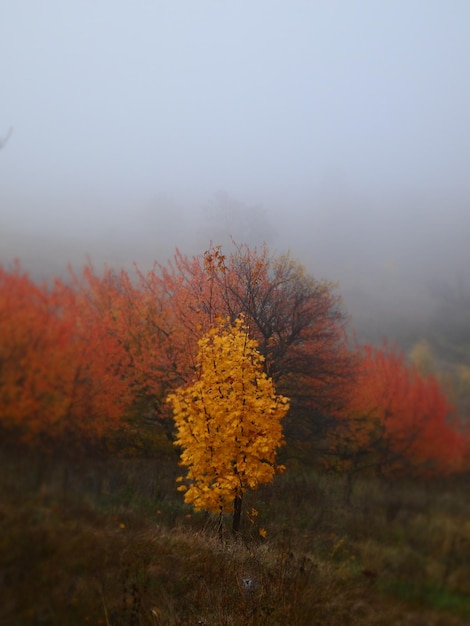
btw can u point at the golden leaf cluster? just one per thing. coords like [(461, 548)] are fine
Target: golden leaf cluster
[(228, 421)]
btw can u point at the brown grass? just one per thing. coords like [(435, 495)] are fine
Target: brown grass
[(111, 543)]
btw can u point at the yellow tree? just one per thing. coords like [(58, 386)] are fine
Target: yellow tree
[(228, 422)]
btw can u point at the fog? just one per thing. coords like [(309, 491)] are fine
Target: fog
[(339, 130)]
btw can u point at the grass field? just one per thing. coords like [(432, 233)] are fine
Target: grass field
[(112, 543)]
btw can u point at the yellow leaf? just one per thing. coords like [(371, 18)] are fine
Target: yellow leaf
[(228, 421)]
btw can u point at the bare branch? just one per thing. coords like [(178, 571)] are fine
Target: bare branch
[(3, 142)]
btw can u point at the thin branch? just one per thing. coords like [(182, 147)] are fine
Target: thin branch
[(3, 142)]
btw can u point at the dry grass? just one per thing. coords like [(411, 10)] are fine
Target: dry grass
[(114, 545)]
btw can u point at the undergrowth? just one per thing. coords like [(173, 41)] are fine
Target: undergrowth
[(112, 543)]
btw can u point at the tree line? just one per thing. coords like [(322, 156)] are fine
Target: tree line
[(87, 364)]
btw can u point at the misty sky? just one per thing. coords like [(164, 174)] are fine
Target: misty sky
[(334, 117), (115, 97)]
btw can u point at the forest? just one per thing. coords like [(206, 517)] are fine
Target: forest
[(355, 513)]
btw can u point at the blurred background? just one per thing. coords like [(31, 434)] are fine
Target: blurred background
[(336, 130)]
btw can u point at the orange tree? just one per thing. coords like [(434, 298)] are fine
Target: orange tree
[(61, 373), (397, 421), (134, 321), (228, 422), (297, 320)]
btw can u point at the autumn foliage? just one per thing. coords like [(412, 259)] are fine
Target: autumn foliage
[(397, 420), (297, 320), (228, 421), (60, 370), (94, 358)]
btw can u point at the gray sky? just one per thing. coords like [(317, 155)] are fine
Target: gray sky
[(120, 97), (334, 116)]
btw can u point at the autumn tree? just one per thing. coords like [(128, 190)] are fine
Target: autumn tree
[(298, 321), (61, 372), (228, 421), (300, 325), (397, 420), (147, 332)]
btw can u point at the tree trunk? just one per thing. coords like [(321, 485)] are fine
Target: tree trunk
[(237, 513), (220, 527)]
